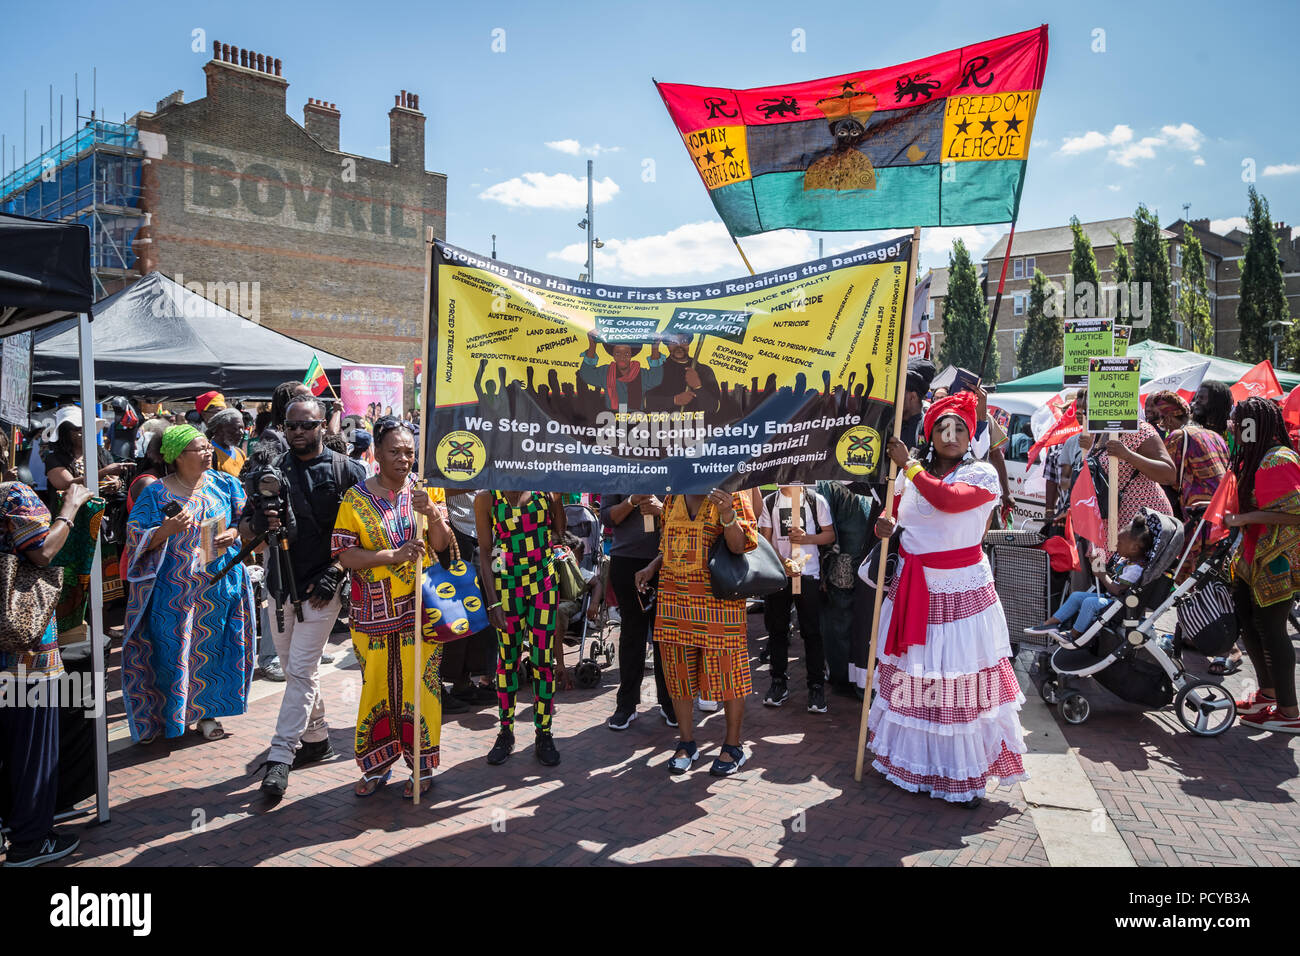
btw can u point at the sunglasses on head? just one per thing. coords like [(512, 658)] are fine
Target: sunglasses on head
[(306, 426), (388, 424)]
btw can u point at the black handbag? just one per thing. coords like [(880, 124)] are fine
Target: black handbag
[(752, 574)]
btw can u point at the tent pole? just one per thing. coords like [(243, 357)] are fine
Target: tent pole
[(89, 436)]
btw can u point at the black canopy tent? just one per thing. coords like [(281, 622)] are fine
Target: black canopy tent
[(44, 281), (159, 339)]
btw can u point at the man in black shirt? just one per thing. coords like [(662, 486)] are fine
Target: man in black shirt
[(317, 479), (687, 385)]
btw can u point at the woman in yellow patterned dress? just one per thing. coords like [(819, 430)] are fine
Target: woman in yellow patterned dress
[(374, 538), (703, 638)]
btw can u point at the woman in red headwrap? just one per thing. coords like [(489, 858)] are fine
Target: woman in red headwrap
[(944, 719)]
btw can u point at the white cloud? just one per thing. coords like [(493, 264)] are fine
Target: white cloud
[(1184, 136), (1113, 188), (1200, 161), (544, 191), (936, 244), (1145, 148), (1282, 169), (573, 148), (1092, 139), (1225, 226)]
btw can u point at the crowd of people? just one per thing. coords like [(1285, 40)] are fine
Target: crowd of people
[(249, 536)]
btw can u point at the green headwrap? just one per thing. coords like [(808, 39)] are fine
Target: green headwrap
[(176, 439)]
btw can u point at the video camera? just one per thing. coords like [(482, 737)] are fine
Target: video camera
[(268, 490)]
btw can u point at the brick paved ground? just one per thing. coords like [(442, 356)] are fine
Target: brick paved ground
[(1179, 799), (610, 801)]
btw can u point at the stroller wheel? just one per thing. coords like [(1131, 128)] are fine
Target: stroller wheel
[(1075, 708), (588, 674), (1050, 691), (1205, 708), (609, 655)]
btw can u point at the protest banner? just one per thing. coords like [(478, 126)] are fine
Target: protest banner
[(1123, 335), (372, 391), (1085, 339), (1113, 385), (15, 378), (540, 381)]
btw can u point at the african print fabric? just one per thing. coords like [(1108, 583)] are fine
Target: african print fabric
[(1269, 558), (187, 653), (24, 523), (529, 593)]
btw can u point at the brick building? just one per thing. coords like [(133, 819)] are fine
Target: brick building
[(1049, 250), (238, 192)]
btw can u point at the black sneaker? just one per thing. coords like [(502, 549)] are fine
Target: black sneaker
[(545, 750), (777, 693), (502, 749), (276, 781), (817, 699), (45, 850), (313, 752), (621, 720), (451, 704)]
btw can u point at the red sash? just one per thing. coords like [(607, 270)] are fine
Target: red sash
[(908, 628)]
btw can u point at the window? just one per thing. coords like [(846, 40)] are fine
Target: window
[(1016, 338), (1017, 305), (1178, 334), (1178, 256), (1029, 267), (1022, 439), (1210, 266), (1017, 268)]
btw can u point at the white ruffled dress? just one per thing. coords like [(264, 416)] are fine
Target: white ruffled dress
[(945, 717)]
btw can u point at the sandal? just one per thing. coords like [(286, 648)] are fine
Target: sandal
[(211, 729), (679, 765), (1223, 666), (725, 768), (367, 782), (426, 784)]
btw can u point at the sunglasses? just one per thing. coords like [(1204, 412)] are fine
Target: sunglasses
[(307, 426)]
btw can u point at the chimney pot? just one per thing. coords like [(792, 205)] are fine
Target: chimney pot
[(243, 58), (261, 66), (277, 66), (397, 99)]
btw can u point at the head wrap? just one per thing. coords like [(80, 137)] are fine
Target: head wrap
[(213, 399), (227, 416), (962, 405), (920, 373), (1172, 398), (176, 439)]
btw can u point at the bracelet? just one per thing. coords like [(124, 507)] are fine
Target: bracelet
[(913, 470), (734, 518), (66, 521), (492, 607)]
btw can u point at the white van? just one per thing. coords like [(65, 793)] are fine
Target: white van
[(1020, 407)]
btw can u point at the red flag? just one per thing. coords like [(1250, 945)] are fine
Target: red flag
[(1064, 427), (1084, 512), (1259, 382), (1291, 409), (1223, 502)]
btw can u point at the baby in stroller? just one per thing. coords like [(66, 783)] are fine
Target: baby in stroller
[(1134, 549)]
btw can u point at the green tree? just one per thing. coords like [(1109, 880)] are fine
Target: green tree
[(1121, 271), (1041, 345), (965, 317), (1152, 273), (1194, 303), (1263, 292), (1083, 267)]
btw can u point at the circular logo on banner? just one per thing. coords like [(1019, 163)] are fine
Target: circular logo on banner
[(446, 590), (858, 450), (460, 455)]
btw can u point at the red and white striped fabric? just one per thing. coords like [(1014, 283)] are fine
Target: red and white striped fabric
[(945, 718)]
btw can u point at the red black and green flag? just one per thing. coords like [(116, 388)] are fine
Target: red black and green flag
[(940, 141), (315, 377)]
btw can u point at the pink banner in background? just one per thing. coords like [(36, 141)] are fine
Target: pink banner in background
[(373, 391)]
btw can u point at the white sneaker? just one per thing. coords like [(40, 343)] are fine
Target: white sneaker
[(708, 706)]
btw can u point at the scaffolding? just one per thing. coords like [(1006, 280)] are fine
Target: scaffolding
[(91, 178)]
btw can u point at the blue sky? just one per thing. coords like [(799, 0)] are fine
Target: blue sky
[(1182, 95)]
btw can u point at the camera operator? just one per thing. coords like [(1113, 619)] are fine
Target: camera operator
[(315, 480)]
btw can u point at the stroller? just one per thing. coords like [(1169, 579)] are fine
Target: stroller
[(592, 610), (1119, 650)]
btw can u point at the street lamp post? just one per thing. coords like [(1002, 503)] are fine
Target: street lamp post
[(1275, 333), (589, 224)]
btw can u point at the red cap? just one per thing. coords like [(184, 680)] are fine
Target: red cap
[(213, 398)]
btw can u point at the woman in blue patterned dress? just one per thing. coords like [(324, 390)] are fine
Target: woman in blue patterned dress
[(187, 654)]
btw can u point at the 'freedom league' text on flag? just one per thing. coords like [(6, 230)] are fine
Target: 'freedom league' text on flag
[(940, 141)]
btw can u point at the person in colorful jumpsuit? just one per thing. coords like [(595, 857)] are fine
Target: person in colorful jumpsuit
[(517, 573)]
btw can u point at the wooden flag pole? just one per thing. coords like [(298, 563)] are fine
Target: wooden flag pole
[(796, 522), (744, 258), (889, 500), (1112, 526), (421, 459), (997, 304)]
